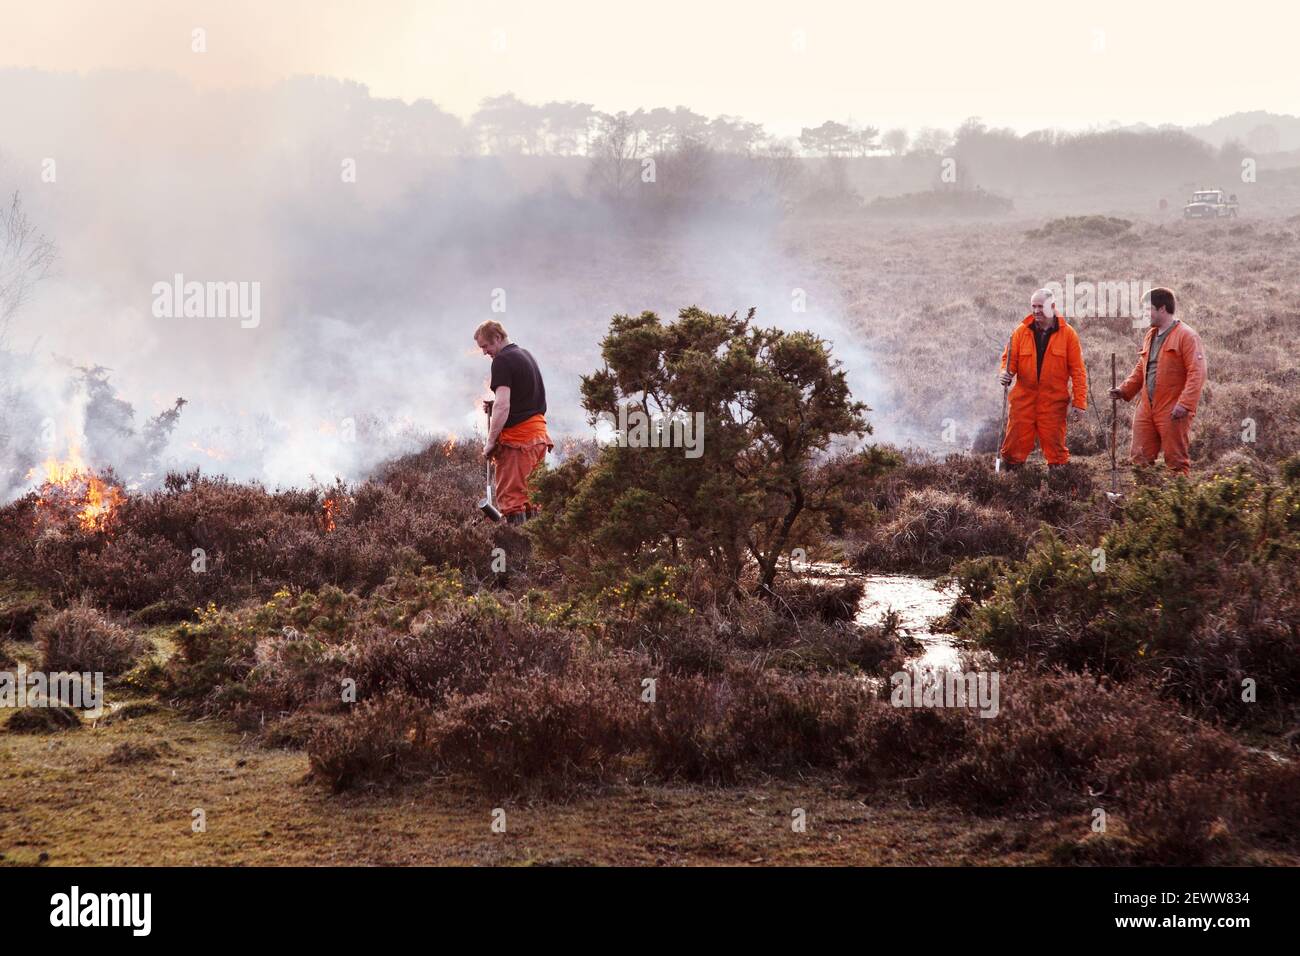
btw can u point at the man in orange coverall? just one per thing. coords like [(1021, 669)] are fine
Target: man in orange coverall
[(1043, 356), (517, 438), (1169, 373)]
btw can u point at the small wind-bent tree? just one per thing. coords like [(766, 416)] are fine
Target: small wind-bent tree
[(771, 403)]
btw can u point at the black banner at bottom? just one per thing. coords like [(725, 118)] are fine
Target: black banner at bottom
[(333, 906)]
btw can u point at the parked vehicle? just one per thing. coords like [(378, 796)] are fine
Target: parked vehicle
[(1210, 204)]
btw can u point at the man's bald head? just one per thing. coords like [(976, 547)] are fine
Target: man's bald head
[(1043, 305)]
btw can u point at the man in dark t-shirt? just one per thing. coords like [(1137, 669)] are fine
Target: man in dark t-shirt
[(517, 440)]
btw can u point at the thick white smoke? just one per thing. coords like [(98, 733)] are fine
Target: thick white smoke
[(372, 264)]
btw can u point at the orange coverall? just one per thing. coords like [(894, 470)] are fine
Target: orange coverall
[(1180, 375), (1039, 405), (520, 450)]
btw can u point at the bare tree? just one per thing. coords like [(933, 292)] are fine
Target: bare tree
[(26, 257), (779, 168), (615, 155), (686, 171)]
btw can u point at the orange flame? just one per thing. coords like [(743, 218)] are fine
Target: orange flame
[(216, 453), (69, 488), (331, 509), (101, 499)]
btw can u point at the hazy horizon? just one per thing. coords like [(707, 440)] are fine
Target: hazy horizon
[(908, 68)]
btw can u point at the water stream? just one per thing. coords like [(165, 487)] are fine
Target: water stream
[(917, 601)]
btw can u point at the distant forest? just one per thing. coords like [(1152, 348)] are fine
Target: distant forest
[(688, 156)]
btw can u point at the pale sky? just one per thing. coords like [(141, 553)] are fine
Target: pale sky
[(786, 64)]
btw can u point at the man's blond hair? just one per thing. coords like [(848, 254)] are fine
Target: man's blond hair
[(490, 331)]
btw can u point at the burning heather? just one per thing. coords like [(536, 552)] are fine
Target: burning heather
[(69, 491), (329, 513)]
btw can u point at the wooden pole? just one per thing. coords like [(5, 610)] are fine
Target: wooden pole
[(1002, 427), (1114, 405)]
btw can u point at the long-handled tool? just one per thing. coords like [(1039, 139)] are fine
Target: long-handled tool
[(1002, 427), (489, 503), (1114, 417)]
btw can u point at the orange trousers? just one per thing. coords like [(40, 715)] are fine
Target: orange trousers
[(1041, 422), (1153, 434), (514, 465)]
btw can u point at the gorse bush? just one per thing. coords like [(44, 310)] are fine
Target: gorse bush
[(1200, 586), (770, 403)]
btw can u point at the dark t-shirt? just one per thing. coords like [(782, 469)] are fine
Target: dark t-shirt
[(1040, 341), (1153, 358), (516, 369)]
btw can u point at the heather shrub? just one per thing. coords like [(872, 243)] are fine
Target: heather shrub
[(825, 601), (1182, 790), (927, 514), (81, 638), (130, 570), (750, 631), (1179, 790), (1031, 490), (457, 651), (1074, 228), (19, 609), (1246, 415), (557, 730), (255, 541), (417, 634), (748, 721), (932, 529), (383, 738)]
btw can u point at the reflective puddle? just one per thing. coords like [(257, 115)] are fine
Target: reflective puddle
[(917, 602)]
